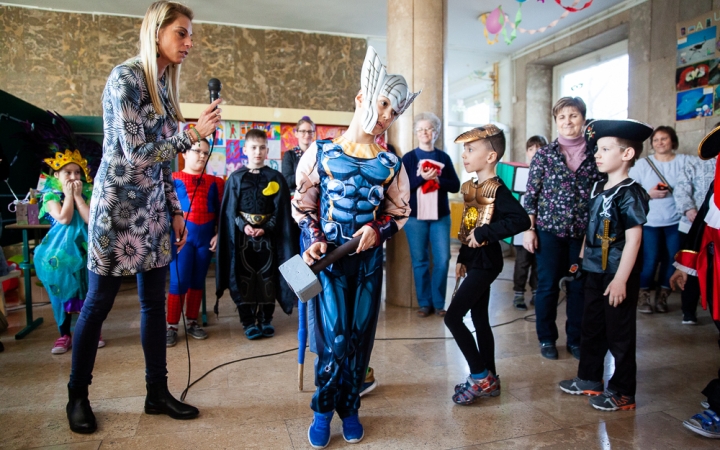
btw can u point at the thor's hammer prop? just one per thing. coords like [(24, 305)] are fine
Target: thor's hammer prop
[(303, 280)]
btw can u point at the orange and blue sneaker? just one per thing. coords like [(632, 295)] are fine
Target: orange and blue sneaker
[(577, 386), (466, 394), (612, 401)]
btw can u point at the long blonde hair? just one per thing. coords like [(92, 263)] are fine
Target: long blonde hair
[(159, 15)]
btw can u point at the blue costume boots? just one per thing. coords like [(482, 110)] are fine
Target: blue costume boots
[(319, 431), (353, 431)]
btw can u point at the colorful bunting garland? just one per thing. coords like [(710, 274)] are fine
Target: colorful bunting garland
[(495, 22), (572, 7)]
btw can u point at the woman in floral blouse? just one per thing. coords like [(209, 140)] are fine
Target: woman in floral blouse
[(134, 205), (558, 189)]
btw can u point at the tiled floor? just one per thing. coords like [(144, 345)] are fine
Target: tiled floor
[(256, 403)]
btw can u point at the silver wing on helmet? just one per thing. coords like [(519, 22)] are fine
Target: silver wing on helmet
[(374, 82)]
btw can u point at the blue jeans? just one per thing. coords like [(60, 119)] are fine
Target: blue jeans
[(659, 246), (422, 234), (554, 256), (102, 291)]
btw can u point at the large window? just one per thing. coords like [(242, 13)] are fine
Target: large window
[(600, 78)]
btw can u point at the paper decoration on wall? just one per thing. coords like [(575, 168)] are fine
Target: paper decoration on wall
[(220, 135), (572, 7), (693, 76), (234, 157), (697, 76), (288, 140), (216, 163), (694, 103), (505, 21), (228, 154)]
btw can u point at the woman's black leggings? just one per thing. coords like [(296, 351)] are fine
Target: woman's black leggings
[(474, 296)]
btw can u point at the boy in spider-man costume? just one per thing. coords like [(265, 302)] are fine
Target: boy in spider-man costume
[(189, 268)]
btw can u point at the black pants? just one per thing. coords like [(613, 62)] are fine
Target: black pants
[(474, 296), (604, 328), (250, 313), (691, 294), (524, 266)]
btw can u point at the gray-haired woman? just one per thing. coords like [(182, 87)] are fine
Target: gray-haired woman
[(432, 176)]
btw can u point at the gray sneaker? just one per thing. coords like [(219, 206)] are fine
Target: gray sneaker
[(576, 386), (170, 338), (195, 331)]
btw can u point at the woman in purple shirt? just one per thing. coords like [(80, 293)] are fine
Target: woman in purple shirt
[(558, 189)]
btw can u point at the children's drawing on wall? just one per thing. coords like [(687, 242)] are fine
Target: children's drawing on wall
[(216, 163), (234, 157), (697, 46), (220, 135), (288, 140), (693, 76), (694, 103)]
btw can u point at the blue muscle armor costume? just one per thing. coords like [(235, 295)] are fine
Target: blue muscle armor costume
[(353, 185)]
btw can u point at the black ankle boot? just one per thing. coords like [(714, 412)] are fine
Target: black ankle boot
[(160, 401), (79, 413)]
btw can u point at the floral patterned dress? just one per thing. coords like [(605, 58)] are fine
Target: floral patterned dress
[(129, 228)]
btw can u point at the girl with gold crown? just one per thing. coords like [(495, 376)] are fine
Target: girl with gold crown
[(61, 258)]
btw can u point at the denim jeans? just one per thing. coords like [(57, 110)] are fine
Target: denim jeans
[(659, 246), (435, 234), (553, 257), (102, 291)]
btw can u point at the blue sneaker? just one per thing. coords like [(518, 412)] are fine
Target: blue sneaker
[(353, 431), (319, 431)]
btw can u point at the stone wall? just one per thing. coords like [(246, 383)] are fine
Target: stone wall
[(650, 31), (60, 61)]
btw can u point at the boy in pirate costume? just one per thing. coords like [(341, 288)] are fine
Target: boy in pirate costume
[(700, 257), (611, 266), (252, 240), (491, 213), (345, 188)]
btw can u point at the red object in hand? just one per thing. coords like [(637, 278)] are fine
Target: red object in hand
[(661, 187), (430, 186), (428, 165)]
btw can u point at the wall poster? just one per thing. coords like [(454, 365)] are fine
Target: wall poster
[(227, 155), (697, 77)]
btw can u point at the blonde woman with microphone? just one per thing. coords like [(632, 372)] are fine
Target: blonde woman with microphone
[(134, 205)]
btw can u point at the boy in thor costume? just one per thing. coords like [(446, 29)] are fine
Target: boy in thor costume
[(348, 187)]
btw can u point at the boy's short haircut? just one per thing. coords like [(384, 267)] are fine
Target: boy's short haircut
[(256, 134), (636, 145), (490, 133), (538, 140), (498, 144)]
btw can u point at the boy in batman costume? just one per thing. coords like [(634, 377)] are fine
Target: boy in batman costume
[(253, 231), (351, 187)]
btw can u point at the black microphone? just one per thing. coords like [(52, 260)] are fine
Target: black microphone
[(214, 86)]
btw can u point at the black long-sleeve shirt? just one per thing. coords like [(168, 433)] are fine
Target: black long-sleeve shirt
[(509, 218)]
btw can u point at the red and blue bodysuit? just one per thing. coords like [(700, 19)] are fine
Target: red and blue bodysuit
[(192, 263)]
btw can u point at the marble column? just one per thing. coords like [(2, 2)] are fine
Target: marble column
[(416, 49)]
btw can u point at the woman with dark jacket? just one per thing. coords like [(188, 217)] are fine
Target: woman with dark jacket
[(432, 176), (305, 134)]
